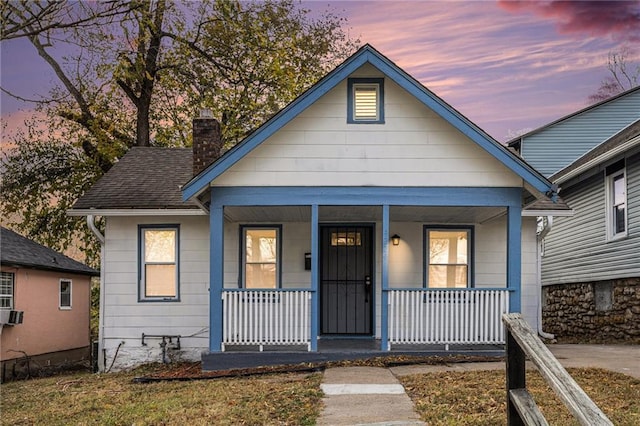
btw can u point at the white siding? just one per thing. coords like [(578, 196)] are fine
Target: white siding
[(530, 298), (414, 147), (125, 319)]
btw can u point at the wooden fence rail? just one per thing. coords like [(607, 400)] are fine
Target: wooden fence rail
[(522, 342)]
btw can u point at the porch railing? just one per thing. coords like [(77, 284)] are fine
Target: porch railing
[(421, 316), (266, 317)]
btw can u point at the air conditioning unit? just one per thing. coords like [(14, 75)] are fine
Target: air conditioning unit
[(8, 317), (15, 317)]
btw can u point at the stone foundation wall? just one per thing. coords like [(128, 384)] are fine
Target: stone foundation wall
[(596, 311)]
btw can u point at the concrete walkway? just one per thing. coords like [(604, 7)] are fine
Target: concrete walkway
[(365, 396), (373, 396)]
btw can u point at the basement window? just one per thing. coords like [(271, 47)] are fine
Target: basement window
[(365, 99)]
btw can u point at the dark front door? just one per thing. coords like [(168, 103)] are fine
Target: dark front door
[(346, 279)]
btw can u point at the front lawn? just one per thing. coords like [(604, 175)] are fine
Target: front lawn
[(478, 397), (448, 398), (113, 399)]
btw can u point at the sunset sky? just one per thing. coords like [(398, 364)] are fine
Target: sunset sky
[(506, 65)]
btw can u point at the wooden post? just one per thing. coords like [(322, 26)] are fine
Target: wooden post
[(516, 377)]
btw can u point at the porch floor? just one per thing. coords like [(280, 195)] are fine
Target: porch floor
[(240, 357)]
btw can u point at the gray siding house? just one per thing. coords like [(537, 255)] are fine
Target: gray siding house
[(553, 147), (591, 261)]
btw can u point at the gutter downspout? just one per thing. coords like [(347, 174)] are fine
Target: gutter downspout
[(92, 226), (545, 230)]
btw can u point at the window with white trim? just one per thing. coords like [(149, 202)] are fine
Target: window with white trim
[(260, 257), (65, 294), (447, 257), (7, 280), (365, 100), (616, 202), (159, 263)]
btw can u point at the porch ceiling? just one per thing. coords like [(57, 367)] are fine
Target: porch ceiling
[(435, 215)]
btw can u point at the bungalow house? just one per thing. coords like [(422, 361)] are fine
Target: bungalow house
[(44, 307), (367, 208), (591, 262)]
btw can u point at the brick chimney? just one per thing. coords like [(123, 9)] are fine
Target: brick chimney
[(207, 141)]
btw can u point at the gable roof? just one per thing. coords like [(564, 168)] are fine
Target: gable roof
[(367, 54), (23, 252), (515, 142), (624, 140), (144, 178)]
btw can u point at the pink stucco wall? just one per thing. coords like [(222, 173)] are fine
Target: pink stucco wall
[(46, 328)]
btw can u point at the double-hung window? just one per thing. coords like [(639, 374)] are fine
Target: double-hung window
[(65, 294), (365, 100), (616, 201), (7, 280), (448, 257), (260, 256), (159, 263)]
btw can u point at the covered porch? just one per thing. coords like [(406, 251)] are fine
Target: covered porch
[(390, 295)]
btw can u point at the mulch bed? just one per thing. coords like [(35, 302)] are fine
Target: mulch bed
[(193, 370)]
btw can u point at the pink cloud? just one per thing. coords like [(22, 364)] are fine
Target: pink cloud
[(620, 19)]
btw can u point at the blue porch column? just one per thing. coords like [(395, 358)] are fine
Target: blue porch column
[(216, 274), (384, 300), (514, 257), (315, 297)]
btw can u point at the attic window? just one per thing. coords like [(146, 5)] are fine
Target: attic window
[(365, 100)]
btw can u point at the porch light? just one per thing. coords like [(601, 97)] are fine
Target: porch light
[(395, 239)]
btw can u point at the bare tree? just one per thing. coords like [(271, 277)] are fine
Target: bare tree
[(622, 76)]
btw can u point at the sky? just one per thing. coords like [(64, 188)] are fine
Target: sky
[(507, 66)]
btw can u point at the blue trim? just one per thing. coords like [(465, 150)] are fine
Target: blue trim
[(315, 278), (384, 301), (242, 246), (514, 257), (470, 253), (366, 196), (351, 100), (367, 54), (142, 298), (216, 277)]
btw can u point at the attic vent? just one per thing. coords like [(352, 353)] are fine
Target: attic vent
[(366, 100)]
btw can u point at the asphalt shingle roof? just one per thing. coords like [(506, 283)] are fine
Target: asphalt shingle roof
[(16, 250), (144, 178)]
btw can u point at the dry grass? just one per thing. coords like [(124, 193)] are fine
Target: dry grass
[(113, 399), (478, 397), (451, 398)]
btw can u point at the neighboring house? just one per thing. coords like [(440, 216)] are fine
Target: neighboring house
[(554, 146), (367, 207), (591, 262), (44, 307)]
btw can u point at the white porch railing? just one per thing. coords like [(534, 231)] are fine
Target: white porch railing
[(266, 317), (447, 316)]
